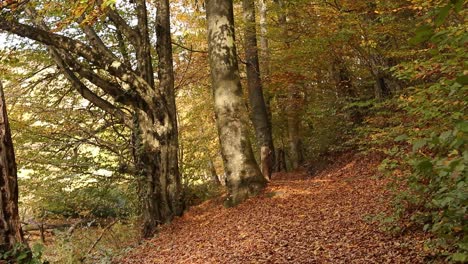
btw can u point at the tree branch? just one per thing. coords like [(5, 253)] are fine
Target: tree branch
[(111, 65), (95, 40), (92, 97), (122, 48), (59, 58), (187, 48), (98, 239), (144, 49), (121, 25)]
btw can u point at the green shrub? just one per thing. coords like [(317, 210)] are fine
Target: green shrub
[(22, 254), (423, 133)]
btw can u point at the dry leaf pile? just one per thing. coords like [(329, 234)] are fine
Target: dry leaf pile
[(298, 219)]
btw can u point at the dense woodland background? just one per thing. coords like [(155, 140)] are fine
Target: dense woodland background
[(383, 78)]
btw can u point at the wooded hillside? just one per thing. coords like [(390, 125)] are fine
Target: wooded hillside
[(125, 116)]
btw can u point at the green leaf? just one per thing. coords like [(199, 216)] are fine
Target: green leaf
[(426, 227), (419, 143), (423, 34), (21, 256), (463, 80), (460, 257), (463, 126), (445, 135), (458, 5), (424, 166), (442, 14), (402, 137)]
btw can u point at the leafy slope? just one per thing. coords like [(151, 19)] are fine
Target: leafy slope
[(297, 220)]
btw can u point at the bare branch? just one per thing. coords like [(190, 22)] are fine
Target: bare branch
[(189, 49), (98, 239), (122, 26)]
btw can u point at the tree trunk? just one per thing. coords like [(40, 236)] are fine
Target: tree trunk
[(254, 83), (160, 156), (264, 46), (213, 175), (280, 163), (342, 80), (157, 163), (385, 84), (381, 88), (265, 60), (294, 99), (10, 225), (244, 178), (295, 142)]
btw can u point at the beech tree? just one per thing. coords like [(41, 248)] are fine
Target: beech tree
[(10, 225), (254, 83), (244, 178), (112, 67)]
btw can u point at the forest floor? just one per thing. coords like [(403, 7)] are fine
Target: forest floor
[(327, 218)]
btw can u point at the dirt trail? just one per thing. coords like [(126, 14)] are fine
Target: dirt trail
[(297, 220)]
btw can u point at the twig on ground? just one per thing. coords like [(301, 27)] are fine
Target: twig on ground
[(98, 239)]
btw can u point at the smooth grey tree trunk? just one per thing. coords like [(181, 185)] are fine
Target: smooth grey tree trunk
[(264, 45), (259, 112), (10, 225), (244, 178), (265, 55)]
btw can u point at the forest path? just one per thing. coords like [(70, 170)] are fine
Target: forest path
[(299, 219)]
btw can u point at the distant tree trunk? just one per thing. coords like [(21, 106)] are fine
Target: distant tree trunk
[(280, 164), (295, 141), (10, 225), (342, 80), (254, 83), (265, 57), (385, 84), (292, 109), (382, 88), (213, 175), (264, 46), (244, 178)]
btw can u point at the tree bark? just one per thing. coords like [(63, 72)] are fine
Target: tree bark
[(259, 112), (10, 225), (244, 178)]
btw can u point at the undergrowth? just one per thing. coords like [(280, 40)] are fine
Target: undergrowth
[(423, 133)]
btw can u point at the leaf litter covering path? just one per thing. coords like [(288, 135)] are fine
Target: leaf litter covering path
[(298, 219)]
